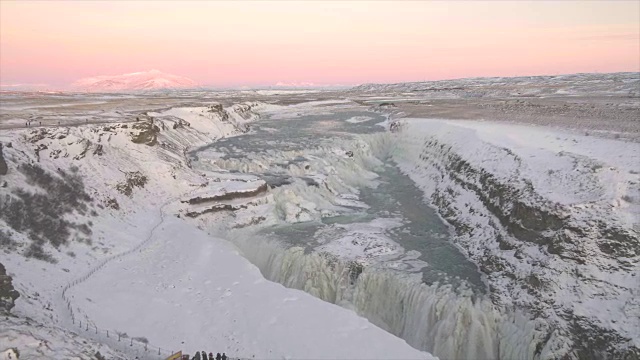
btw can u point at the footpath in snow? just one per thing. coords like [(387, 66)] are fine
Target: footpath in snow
[(193, 292)]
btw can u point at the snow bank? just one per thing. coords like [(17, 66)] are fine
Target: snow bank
[(191, 291), (36, 341)]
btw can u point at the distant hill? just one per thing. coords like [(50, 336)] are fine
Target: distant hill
[(144, 80)]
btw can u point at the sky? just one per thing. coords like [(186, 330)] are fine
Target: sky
[(247, 43)]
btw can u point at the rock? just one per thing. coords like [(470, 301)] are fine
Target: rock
[(86, 144), (218, 109), (228, 195), (112, 203), (214, 209), (98, 150), (395, 126), (38, 134), (133, 179), (8, 294), (145, 132), (3, 164), (179, 123), (215, 108)]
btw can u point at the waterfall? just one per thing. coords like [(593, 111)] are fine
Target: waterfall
[(451, 323), (448, 321)]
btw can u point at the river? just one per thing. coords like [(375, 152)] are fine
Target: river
[(353, 230)]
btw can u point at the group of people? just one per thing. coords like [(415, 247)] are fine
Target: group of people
[(203, 356)]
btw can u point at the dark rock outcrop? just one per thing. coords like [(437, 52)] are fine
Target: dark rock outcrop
[(8, 294), (99, 150), (214, 209), (133, 179), (227, 196), (218, 109), (112, 203), (145, 132), (3, 164)]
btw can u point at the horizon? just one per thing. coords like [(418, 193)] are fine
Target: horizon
[(285, 87), (316, 44)]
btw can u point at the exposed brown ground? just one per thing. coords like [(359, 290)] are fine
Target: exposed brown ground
[(66, 109), (617, 117)]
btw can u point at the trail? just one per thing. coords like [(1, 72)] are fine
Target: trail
[(89, 326)]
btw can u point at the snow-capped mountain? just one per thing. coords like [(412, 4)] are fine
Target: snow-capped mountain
[(144, 80)]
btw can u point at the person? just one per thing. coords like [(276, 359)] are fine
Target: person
[(218, 356), (204, 355), (197, 356), (224, 356), (210, 356)]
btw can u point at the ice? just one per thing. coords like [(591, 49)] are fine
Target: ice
[(359, 119), (365, 242)]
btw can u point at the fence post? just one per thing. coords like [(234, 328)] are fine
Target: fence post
[(80, 324), (107, 333), (158, 351), (131, 342), (87, 329), (118, 336), (145, 346), (96, 328)]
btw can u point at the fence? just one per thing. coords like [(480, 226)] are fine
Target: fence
[(136, 346), (132, 346)]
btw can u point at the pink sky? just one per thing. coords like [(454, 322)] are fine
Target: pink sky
[(323, 42)]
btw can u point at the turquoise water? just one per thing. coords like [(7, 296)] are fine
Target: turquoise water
[(396, 196)]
